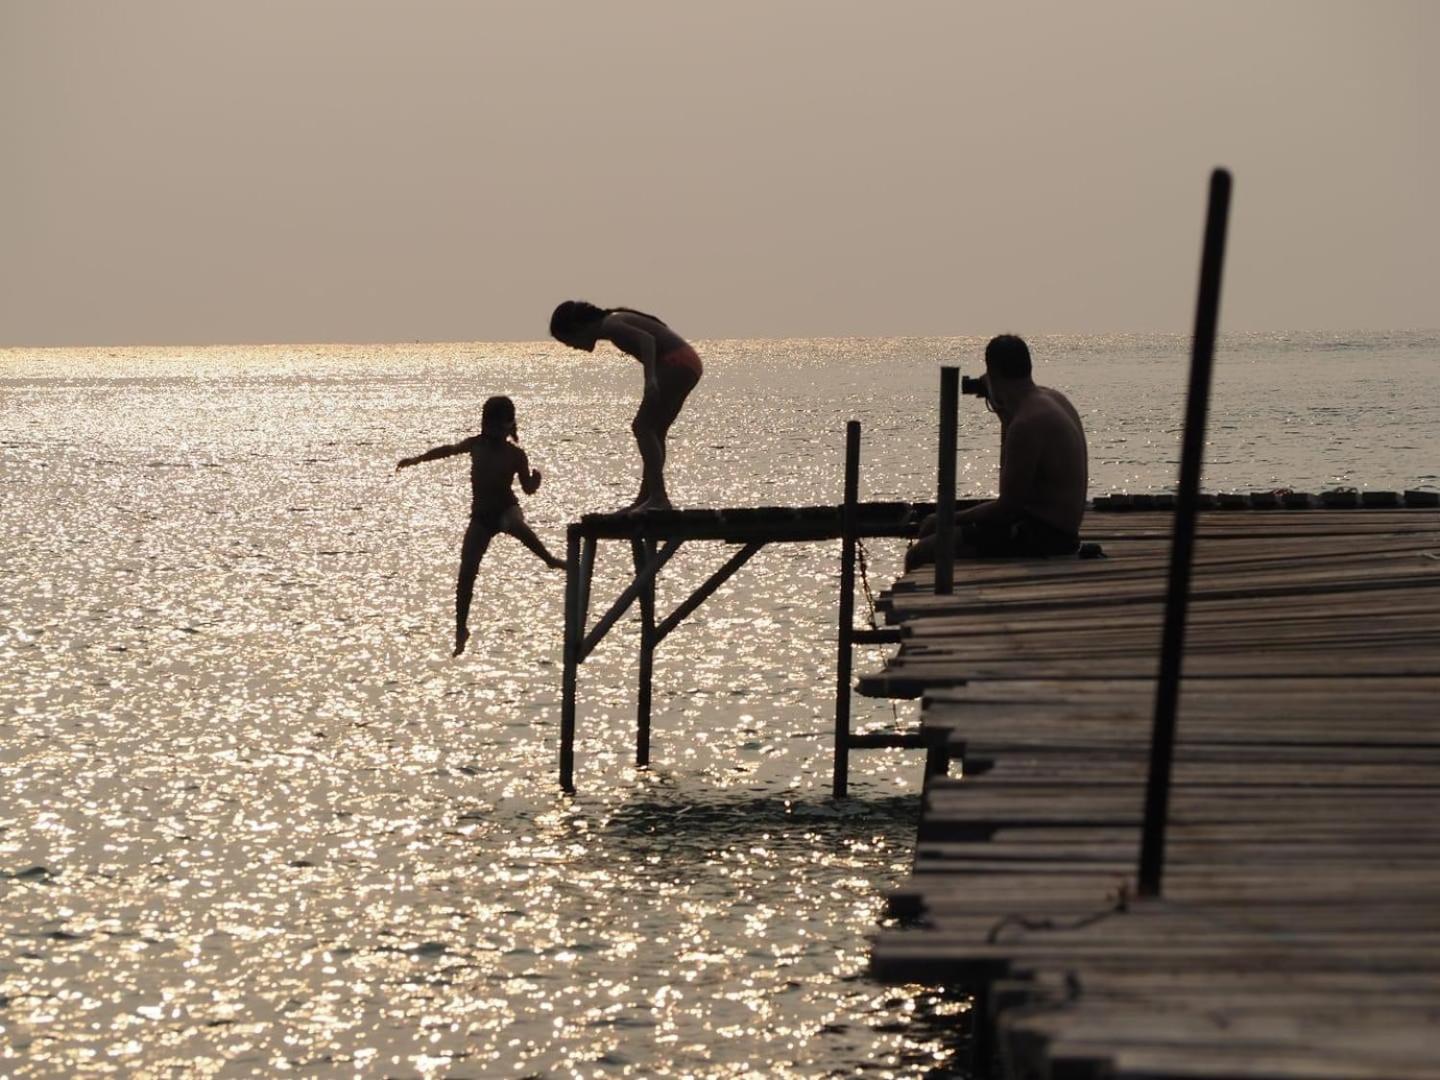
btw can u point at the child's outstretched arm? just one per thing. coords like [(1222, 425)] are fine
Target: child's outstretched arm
[(433, 454)]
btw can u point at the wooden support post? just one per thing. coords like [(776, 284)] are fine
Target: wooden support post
[(644, 552), (937, 753), (847, 608), (1182, 546), (626, 598), (573, 626), (945, 482)]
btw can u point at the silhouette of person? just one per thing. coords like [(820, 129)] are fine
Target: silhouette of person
[(1044, 470), (672, 369), (495, 460)]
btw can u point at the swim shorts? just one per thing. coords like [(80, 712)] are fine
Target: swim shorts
[(1027, 538), (495, 519), (678, 372), (684, 358)]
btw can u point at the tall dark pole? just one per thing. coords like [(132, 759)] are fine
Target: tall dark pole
[(644, 552), (847, 609), (573, 628), (945, 482), (1182, 545)]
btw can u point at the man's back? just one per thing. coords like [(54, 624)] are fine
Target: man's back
[(1055, 492)]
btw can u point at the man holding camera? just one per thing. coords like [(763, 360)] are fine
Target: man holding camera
[(1044, 469)]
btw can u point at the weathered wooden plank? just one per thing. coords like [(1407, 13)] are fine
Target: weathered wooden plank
[(1304, 843), (914, 677), (1160, 1043), (781, 523)]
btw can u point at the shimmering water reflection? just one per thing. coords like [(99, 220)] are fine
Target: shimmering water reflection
[(257, 821)]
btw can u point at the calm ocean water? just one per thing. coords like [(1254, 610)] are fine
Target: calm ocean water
[(257, 821)]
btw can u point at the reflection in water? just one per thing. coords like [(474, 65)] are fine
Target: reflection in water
[(256, 820)]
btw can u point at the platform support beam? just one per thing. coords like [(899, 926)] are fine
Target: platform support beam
[(700, 595), (644, 554), (573, 624), (847, 609), (945, 482), (644, 577)]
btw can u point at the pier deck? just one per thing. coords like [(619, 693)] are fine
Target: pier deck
[(1299, 930)]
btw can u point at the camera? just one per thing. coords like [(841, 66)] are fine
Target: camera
[(976, 387)]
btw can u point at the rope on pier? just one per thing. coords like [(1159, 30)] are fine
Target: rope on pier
[(865, 580), (863, 565), (1026, 923)]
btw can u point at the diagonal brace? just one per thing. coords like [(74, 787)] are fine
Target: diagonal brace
[(739, 559), (626, 598)]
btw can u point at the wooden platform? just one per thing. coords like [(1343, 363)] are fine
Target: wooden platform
[(655, 536), (1299, 934), (738, 525)]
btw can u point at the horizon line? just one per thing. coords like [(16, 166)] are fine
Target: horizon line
[(1034, 335)]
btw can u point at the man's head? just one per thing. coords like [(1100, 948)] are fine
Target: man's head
[(1007, 370), (1007, 357)]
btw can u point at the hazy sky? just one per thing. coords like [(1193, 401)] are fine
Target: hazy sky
[(184, 171)]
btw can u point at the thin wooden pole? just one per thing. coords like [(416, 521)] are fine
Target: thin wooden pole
[(572, 659), (945, 482), (644, 552), (847, 608), (1182, 546)]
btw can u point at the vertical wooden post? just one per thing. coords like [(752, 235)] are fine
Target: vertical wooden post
[(945, 482), (847, 608), (644, 552), (1182, 545), (574, 627)]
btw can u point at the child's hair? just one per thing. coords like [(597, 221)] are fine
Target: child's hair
[(571, 315), (496, 417)]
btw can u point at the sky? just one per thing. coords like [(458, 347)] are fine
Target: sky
[(191, 171)]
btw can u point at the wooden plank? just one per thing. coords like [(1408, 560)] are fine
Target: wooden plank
[(778, 523), (1301, 931)]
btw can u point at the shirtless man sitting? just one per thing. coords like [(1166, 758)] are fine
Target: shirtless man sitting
[(1044, 470)]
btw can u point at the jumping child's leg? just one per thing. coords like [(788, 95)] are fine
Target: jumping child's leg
[(522, 532), (477, 540)]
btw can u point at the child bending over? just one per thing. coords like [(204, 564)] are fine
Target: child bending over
[(495, 460), (672, 369)]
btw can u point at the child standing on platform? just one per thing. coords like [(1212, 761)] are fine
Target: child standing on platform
[(672, 369)]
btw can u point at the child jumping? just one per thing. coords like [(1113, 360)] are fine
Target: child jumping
[(495, 460)]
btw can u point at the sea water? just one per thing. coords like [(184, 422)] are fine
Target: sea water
[(256, 820)]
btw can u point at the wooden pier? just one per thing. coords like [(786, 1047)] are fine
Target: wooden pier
[(1181, 815), (1298, 931)]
